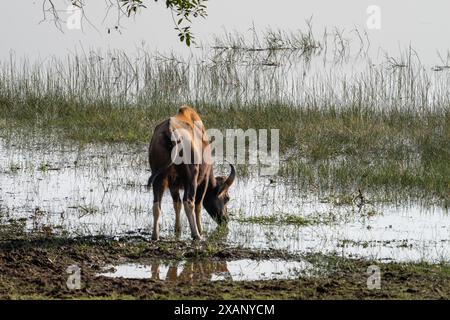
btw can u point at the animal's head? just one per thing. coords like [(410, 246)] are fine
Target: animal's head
[(216, 199)]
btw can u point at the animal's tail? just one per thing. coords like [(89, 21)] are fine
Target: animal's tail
[(156, 174), (152, 178), (169, 145)]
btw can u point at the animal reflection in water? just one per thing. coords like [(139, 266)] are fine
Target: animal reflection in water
[(192, 271)]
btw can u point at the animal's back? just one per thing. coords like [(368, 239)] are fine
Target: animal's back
[(188, 115), (190, 126), (162, 143)]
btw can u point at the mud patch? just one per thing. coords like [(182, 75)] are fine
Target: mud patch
[(37, 269)]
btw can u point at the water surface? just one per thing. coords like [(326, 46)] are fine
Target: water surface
[(99, 189), (195, 271)]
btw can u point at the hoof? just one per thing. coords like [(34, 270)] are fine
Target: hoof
[(197, 238)]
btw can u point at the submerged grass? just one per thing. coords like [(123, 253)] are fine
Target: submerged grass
[(278, 219)]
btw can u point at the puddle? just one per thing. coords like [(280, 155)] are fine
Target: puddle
[(99, 189), (238, 270)]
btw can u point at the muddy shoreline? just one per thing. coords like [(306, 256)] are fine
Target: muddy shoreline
[(37, 269)]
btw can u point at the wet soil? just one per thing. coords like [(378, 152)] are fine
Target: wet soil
[(37, 269)]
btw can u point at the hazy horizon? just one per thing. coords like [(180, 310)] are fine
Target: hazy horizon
[(403, 22)]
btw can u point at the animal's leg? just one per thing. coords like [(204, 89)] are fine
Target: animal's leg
[(198, 217), (189, 209), (201, 191), (158, 190), (177, 207), (188, 202)]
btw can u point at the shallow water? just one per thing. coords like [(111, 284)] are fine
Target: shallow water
[(238, 270), (99, 189)]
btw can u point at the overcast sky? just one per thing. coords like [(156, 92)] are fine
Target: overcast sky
[(424, 24)]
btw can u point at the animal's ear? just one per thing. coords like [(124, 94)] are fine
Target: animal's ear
[(227, 183)]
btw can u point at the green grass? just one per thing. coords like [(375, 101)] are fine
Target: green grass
[(275, 219)]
